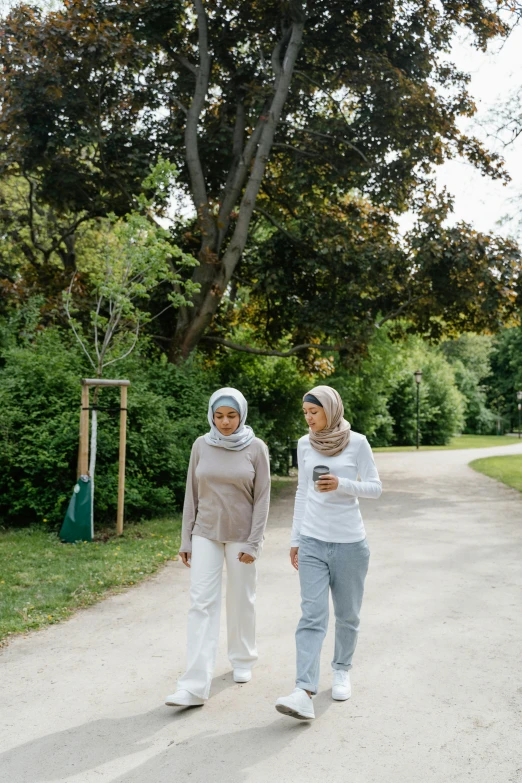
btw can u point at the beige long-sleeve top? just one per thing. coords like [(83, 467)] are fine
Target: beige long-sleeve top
[(227, 495)]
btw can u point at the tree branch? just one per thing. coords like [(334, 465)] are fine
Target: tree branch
[(237, 178), (71, 322), (32, 230), (233, 189), (281, 146), (213, 293), (282, 229), (127, 353), (98, 308), (180, 105), (337, 101), (395, 313), (197, 179), (267, 351), (331, 136), (185, 62), (248, 201)]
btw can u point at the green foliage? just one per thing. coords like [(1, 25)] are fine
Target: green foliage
[(332, 280), (380, 397), (96, 91), (365, 389), (469, 356), (441, 404), (39, 419), (388, 101), (38, 428), (134, 257), (167, 410), (40, 370), (505, 379)]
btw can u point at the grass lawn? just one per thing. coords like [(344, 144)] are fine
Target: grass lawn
[(461, 442), (505, 469), (42, 580)]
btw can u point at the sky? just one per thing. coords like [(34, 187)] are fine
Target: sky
[(495, 75)]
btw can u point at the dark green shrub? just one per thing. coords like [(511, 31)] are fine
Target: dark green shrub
[(39, 420), (39, 409)]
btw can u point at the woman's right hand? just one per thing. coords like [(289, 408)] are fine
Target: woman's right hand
[(185, 558), (294, 557)]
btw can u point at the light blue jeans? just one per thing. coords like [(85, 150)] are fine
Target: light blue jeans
[(341, 568)]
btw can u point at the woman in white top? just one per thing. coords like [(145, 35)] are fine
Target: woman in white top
[(328, 545)]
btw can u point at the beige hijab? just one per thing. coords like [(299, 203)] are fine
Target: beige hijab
[(336, 435)]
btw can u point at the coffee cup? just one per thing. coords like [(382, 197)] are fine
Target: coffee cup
[(319, 470)]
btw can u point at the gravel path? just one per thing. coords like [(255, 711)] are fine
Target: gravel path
[(437, 683)]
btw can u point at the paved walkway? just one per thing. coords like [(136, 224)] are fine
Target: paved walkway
[(437, 683)]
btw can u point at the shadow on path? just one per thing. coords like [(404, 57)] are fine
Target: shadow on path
[(85, 747), (205, 755), (228, 756)]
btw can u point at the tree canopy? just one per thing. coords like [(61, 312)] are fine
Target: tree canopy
[(300, 129)]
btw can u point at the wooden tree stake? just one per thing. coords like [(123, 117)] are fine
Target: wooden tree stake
[(121, 469), (83, 461), (84, 437)]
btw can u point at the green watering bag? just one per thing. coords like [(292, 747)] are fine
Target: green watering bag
[(77, 525)]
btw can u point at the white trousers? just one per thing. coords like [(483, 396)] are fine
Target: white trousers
[(205, 607)]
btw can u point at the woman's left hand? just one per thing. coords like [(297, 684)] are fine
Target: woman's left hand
[(328, 483), (243, 557)]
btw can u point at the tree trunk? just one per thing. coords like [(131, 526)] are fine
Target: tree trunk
[(216, 268)]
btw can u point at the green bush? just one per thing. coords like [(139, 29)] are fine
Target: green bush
[(167, 410), (505, 379), (441, 405), (39, 421), (365, 390), (470, 357), (40, 371), (380, 396)]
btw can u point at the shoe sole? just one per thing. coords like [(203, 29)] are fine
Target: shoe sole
[(284, 710), (181, 704), (242, 682), (343, 698)]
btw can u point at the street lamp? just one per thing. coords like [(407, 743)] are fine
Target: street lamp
[(519, 406), (418, 378)]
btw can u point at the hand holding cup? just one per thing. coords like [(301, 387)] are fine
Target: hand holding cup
[(328, 483)]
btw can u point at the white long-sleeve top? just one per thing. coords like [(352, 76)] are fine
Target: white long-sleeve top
[(334, 516)]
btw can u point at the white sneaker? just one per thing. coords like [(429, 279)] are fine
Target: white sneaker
[(242, 675), (341, 688), (297, 705), (184, 699)]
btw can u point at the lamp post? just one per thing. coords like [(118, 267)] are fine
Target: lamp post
[(418, 377), (519, 406)]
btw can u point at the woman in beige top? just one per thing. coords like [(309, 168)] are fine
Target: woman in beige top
[(224, 519)]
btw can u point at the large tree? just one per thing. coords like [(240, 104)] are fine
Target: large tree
[(277, 112)]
